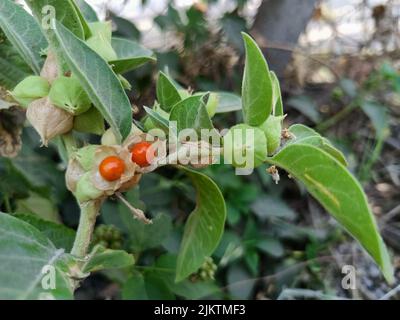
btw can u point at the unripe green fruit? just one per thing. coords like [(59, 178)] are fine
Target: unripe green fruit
[(272, 129), (68, 94), (102, 47), (85, 190), (245, 146), (30, 89), (212, 104)]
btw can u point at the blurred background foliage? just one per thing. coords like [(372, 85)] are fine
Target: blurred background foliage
[(338, 62)]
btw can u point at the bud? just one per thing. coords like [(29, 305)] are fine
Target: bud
[(272, 129), (50, 68), (48, 120), (245, 146), (68, 94), (30, 89)]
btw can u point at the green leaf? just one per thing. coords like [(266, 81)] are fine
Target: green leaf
[(135, 287), (305, 106), (305, 135), (167, 93), (65, 13), (24, 252), (240, 282), (13, 68), (257, 90), (151, 284), (271, 247), (204, 227), (378, 116), (269, 207), (252, 260), (86, 29), (146, 236), (102, 258), (61, 236), (87, 11), (339, 193), (164, 269), (39, 206), (131, 55), (24, 33), (157, 119), (191, 113), (277, 100), (98, 80), (228, 102), (125, 28)]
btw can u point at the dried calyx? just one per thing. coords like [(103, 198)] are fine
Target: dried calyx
[(48, 120)]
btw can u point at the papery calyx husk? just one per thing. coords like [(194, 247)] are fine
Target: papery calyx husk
[(48, 120), (110, 187), (245, 146), (86, 190), (84, 179), (86, 156), (272, 128), (68, 94), (50, 68), (73, 174), (158, 148), (30, 89)]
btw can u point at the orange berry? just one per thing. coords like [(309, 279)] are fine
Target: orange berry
[(141, 155), (112, 168)]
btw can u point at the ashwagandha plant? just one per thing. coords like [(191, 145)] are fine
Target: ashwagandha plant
[(77, 86)]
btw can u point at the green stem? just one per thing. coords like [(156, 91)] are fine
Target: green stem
[(69, 143), (7, 204), (336, 118), (89, 212)]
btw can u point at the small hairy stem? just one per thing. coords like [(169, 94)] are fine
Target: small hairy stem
[(69, 143), (137, 213), (7, 204), (337, 117), (89, 212)]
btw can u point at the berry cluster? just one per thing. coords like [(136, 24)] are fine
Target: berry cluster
[(108, 236)]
